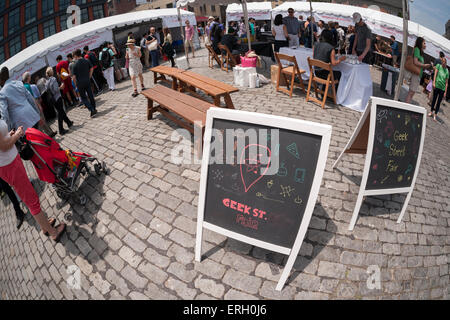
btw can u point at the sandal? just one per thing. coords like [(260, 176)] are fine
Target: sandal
[(63, 225), (135, 94), (52, 222)]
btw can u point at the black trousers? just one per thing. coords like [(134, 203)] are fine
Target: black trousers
[(279, 43), (87, 96), (12, 196), (62, 116), (438, 94)]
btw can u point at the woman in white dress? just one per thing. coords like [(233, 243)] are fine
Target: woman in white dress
[(135, 66)]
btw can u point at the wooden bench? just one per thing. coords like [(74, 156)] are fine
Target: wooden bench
[(190, 109), (190, 81), (160, 73)]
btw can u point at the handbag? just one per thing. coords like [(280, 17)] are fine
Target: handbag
[(411, 67), (248, 60), (153, 46)]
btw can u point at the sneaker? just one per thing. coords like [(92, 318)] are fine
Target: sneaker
[(93, 113), (70, 124), (135, 94), (63, 132)]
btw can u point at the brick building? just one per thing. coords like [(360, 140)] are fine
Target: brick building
[(24, 22), (122, 6)]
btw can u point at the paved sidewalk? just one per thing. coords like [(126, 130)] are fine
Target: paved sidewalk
[(135, 237)]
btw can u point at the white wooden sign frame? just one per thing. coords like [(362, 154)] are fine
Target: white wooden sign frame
[(371, 110), (276, 122)]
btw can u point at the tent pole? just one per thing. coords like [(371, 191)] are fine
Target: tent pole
[(183, 36), (404, 49), (312, 24), (244, 8)]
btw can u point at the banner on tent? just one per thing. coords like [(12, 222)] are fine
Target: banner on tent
[(93, 42), (236, 16), (172, 21), (33, 67)]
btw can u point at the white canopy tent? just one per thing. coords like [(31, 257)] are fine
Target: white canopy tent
[(379, 22), (256, 10), (93, 33), (184, 3)]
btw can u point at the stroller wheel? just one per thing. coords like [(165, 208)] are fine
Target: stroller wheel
[(83, 199), (105, 168), (97, 169)]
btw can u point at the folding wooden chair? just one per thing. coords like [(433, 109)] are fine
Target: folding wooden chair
[(292, 71), (327, 82), (212, 55), (226, 58)]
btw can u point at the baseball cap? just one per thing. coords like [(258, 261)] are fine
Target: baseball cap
[(356, 17)]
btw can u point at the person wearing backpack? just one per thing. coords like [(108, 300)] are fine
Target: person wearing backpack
[(107, 64), (98, 74)]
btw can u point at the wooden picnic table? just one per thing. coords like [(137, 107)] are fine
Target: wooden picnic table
[(164, 71), (190, 81)]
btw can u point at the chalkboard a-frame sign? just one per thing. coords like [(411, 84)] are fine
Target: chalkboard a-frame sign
[(242, 200), (391, 134)]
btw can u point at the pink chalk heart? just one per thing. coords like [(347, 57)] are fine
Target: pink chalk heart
[(252, 173), (375, 166)]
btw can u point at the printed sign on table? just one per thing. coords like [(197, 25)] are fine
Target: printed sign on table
[(262, 184)]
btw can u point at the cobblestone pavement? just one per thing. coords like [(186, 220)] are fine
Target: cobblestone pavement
[(135, 237)]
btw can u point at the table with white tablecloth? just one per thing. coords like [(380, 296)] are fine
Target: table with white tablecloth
[(301, 54), (355, 85)]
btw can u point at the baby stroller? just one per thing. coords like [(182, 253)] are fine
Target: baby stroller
[(61, 168)]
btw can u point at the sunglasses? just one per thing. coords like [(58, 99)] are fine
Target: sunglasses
[(290, 11)]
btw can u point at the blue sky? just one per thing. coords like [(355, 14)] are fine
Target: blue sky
[(432, 14)]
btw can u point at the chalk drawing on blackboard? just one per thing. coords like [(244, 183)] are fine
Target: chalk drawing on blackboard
[(277, 150), (409, 169), (407, 119), (269, 184), (384, 179), (234, 176), (236, 187), (217, 175), (375, 166), (247, 221), (400, 178), (292, 148), (298, 200), (286, 191), (218, 186), (389, 130), (282, 171), (259, 194), (300, 175), (387, 143), (252, 170), (380, 137), (382, 115)]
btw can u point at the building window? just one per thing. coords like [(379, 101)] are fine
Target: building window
[(15, 46), (169, 5), (2, 6), (2, 54), (98, 12), (13, 2), (49, 28), (1, 28), (32, 36), (47, 7), (63, 5), (84, 15), (81, 2), (14, 21), (213, 8), (30, 12), (63, 23)]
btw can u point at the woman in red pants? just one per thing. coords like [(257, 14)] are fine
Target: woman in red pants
[(13, 172)]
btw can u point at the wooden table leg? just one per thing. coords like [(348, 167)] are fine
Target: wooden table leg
[(149, 109), (155, 77), (228, 101), (217, 101), (174, 83)]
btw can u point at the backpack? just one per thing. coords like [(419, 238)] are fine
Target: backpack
[(92, 58), (105, 59)]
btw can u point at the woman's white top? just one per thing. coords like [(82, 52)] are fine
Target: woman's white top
[(279, 33), (6, 157)]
